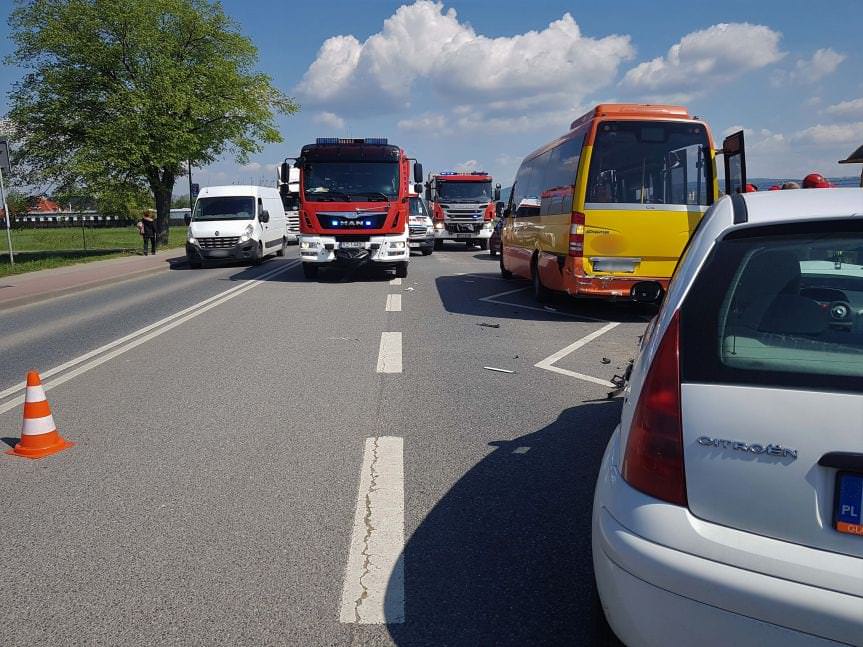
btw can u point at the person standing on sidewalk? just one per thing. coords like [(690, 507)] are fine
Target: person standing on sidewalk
[(148, 230)]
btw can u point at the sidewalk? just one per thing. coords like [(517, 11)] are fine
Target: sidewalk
[(20, 289)]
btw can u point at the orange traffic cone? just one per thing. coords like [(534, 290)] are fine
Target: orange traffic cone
[(39, 435)]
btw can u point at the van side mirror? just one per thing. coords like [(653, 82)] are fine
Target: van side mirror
[(418, 172), (647, 292), (496, 192), (264, 216)]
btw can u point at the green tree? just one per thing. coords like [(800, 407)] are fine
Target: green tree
[(122, 93)]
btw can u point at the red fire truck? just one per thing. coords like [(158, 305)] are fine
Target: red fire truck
[(463, 207), (354, 203)]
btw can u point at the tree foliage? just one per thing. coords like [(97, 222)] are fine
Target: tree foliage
[(121, 93)]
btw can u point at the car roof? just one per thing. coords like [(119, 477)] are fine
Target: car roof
[(238, 190)]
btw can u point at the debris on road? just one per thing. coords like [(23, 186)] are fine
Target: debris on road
[(409, 289), (488, 325), (499, 370), (605, 360)]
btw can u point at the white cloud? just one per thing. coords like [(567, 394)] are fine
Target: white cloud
[(846, 109), (330, 120), (255, 167), (839, 135), (423, 43), (425, 123), (703, 59), (823, 63), (467, 166)]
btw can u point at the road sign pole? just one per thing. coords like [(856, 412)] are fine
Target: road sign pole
[(8, 219)]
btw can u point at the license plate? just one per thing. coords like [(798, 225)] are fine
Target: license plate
[(351, 244), (849, 503), (464, 235), (414, 244)]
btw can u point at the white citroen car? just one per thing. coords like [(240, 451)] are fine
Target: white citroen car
[(728, 505)]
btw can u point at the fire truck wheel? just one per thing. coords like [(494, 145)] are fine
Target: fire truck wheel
[(483, 244), (310, 271), (438, 245), (402, 270)]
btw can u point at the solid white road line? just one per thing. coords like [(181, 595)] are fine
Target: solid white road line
[(492, 298), (390, 353), (396, 281), (548, 362), (137, 338), (374, 586), (394, 303)]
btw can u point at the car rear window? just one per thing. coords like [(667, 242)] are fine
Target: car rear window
[(779, 306)]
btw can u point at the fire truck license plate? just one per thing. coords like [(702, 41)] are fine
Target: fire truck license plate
[(351, 244), (463, 235)]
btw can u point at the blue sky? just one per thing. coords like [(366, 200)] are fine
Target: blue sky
[(477, 84)]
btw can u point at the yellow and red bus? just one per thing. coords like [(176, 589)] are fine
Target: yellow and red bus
[(611, 203)]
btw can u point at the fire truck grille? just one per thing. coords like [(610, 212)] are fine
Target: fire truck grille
[(221, 242), (459, 228)]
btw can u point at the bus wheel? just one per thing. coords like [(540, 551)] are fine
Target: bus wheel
[(504, 273), (540, 292)]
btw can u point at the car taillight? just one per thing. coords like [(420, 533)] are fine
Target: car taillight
[(576, 234), (653, 461)]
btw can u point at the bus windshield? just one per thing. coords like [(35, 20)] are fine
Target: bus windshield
[(464, 191), (650, 162), (350, 181)]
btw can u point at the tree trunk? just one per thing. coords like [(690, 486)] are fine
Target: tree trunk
[(162, 186)]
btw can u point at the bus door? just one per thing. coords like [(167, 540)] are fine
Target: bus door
[(734, 154)]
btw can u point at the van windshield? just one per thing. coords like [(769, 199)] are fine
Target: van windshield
[(225, 208), (649, 162)]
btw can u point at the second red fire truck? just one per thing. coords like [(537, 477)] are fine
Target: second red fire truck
[(463, 206)]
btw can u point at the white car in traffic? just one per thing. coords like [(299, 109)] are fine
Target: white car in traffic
[(728, 505)]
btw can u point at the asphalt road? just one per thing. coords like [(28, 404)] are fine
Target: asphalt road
[(213, 491)]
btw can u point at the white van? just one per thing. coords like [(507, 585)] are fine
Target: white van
[(236, 223)]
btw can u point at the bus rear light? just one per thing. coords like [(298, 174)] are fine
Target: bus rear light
[(653, 460), (576, 234)]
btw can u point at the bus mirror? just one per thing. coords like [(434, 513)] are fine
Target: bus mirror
[(497, 192), (285, 174), (647, 292), (418, 172)]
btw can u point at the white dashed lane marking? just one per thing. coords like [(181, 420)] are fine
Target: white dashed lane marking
[(394, 303), (390, 353), (374, 586)]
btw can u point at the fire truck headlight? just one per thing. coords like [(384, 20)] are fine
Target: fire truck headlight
[(309, 244), (438, 225), (399, 244)]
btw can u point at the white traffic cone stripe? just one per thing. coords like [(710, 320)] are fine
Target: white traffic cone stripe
[(38, 426), (35, 393)]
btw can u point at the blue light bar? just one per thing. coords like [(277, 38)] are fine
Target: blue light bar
[(376, 140), (478, 173), (327, 140)]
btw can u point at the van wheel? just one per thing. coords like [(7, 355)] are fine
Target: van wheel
[(402, 270), (310, 271), (540, 292), (504, 273), (281, 252)]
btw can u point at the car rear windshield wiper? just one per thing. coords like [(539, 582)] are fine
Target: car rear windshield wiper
[(370, 194)]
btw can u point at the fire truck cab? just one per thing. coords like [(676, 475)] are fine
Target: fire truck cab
[(463, 206), (353, 196)]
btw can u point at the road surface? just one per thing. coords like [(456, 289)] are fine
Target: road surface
[(261, 459)]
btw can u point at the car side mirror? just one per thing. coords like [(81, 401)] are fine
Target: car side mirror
[(187, 219), (496, 192), (649, 292), (264, 216), (418, 172)]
